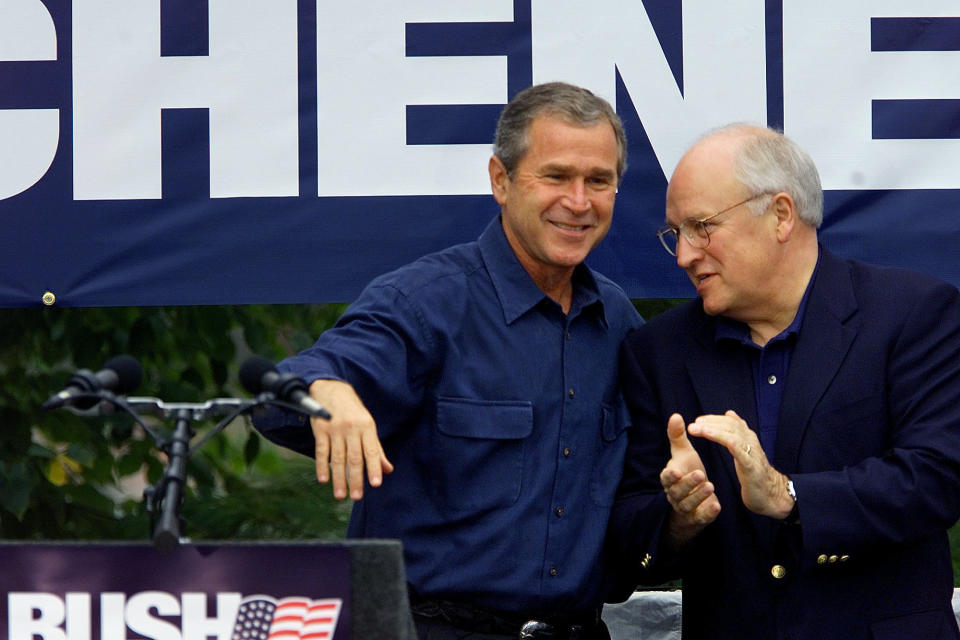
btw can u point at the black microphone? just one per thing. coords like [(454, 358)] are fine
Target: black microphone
[(257, 374), (119, 375)]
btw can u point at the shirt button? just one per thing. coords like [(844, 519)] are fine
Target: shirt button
[(570, 392), (566, 452), (559, 511), (553, 571), (569, 337), (772, 380)]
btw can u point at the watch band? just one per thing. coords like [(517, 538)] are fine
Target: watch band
[(794, 516)]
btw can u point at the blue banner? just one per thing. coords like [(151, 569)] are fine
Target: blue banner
[(167, 152)]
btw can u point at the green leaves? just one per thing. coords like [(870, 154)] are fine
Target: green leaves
[(64, 476), (17, 480)]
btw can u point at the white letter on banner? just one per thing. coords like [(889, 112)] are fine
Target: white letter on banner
[(249, 83), (724, 63), (78, 616), (112, 625), (365, 81), (831, 77), (140, 621), (28, 137), (22, 623), (195, 623)]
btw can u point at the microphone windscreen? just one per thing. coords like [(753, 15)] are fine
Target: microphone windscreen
[(128, 373), (252, 371)]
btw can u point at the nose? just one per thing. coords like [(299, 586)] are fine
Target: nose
[(575, 197), (687, 254)]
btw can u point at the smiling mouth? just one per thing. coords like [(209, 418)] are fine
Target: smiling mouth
[(570, 227)]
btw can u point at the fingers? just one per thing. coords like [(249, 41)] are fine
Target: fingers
[(677, 434), (364, 451), (732, 432), (679, 488), (684, 479), (695, 505), (355, 461), (686, 493), (347, 444), (692, 500), (322, 456), (762, 487), (330, 454), (700, 507), (684, 459), (375, 460), (343, 452), (338, 458)]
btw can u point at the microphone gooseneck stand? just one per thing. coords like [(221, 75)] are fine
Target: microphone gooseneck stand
[(167, 495), (164, 499)]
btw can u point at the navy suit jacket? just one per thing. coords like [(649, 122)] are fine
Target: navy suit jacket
[(869, 431)]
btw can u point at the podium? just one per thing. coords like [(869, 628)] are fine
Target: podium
[(303, 590)]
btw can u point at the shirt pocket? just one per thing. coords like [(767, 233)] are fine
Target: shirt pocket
[(478, 451), (611, 447)]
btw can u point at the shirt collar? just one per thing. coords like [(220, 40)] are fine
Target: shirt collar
[(728, 329), (517, 291)]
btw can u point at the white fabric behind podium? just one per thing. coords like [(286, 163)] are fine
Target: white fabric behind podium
[(655, 615)]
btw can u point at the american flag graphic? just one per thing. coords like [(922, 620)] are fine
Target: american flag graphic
[(264, 618)]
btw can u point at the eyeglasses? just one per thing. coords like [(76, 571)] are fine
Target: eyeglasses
[(695, 231)]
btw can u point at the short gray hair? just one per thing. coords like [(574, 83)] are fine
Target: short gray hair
[(767, 161), (572, 104)]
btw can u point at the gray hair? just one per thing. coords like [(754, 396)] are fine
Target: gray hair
[(769, 162), (572, 104)]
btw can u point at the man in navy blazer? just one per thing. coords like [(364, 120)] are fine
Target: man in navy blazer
[(795, 456)]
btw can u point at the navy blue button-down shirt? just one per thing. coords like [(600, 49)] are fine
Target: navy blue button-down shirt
[(502, 416), (770, 366)]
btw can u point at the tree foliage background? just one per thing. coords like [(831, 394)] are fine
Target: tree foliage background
[(64, 476), (69, 477)]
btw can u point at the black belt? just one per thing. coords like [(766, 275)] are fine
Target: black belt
[(522, 626)]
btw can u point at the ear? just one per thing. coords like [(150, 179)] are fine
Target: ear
[(499, 180), (786, 216)]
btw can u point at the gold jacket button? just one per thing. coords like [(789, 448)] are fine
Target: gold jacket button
[(844, 558), (822, 558), (778, 571), (833, 559)]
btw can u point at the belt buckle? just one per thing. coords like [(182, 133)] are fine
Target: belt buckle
[(533, 629)]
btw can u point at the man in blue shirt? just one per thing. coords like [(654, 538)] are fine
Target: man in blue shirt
[(483, 380), (794, 453)]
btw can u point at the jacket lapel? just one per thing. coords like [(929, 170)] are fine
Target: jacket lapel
[(828, 329)]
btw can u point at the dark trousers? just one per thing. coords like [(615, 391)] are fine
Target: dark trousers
[(437, 629), (437, 621)]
